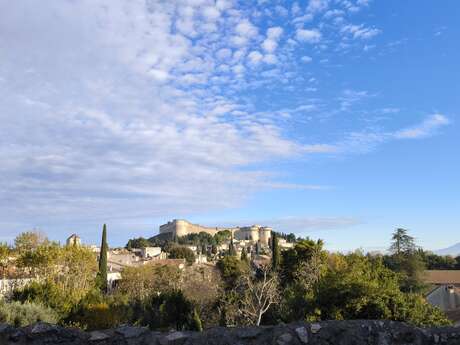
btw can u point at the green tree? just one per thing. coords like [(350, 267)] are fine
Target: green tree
[(244, 255), (276, 256), (138, 243), (182, 252), (360, 287), (231, 270), (138, 283), (303, 252), (29, 240), (402, 243), (5, 252), (231, 248), (102, 274)]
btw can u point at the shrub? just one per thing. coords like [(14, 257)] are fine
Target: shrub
[(22, 314), (164, 311), (96, 311), (181, 252), (47, 294)]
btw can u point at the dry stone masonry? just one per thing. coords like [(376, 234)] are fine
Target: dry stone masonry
[(323, 333)]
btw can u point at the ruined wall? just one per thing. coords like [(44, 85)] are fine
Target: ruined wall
[(323, 333)]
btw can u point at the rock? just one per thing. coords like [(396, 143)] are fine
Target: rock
[(249, 333), (43, 327), (302, 333), (175, 338), (131, 332), (315, 327), (284, 339), (98, 335)]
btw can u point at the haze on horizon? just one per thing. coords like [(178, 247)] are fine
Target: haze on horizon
[(334, 119)]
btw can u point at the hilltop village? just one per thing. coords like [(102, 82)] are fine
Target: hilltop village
[(192, 277), (180, 242)]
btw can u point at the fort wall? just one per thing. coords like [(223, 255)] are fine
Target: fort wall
[(181, 227)]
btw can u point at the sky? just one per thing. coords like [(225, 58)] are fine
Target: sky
[(334, 119)]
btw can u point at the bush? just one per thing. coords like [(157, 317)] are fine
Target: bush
[(165, 311), (96, 311), (22, 314), (181, 252), (47, 294)]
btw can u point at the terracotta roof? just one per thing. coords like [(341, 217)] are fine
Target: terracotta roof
[(442, 276)]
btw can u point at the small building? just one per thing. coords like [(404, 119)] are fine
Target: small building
[(150, 252), (445, 292), (73, 240)]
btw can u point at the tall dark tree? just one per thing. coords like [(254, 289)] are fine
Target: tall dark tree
[(276, 256), (102, 274), (231, 248), (402, 243), (244, 255)]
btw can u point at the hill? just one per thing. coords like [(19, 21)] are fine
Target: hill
[(453, 250)]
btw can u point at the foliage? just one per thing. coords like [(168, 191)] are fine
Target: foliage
[(102, 274), (196, 322), (22, 314), (407, 261), (402, 243), (276, 255), (182, 252), (166, 310), (198, 239), (290, 238), (439, 262), (259, 292), (140, 242), (5, 252), (99, 311), (29, 240), (140, 282), (44, 293), (231, 248), (222, 236), (359, 287), (302, 252), (244, 255), (203, 286), (231, 269)]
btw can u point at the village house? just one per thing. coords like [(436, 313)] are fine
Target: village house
[(445, 292)]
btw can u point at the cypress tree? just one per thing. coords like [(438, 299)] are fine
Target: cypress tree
[(244, 255), (102, 274), (275, 252), (231, 248)]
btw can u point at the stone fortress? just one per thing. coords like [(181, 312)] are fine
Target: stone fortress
[(254, 233)]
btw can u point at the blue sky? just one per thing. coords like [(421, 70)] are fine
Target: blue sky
[(333, 119)]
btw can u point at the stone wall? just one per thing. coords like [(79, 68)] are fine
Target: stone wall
[(323, 333)]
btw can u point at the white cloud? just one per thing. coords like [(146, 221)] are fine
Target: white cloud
[(306, 59), (211, 13), (246, 28), (425, 129), (255, 57), (274, 32), (315, 6), (310, 36), (302, 225), (269, 45), (270, 59), (360, 31), (111, 123)]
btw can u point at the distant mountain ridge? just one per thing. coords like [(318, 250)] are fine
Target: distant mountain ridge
[(453, 250)]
